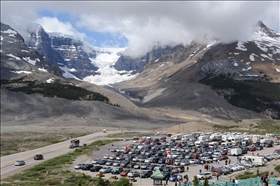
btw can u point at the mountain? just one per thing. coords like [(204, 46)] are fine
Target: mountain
[(235, 80), (206, 77), (17, 59)]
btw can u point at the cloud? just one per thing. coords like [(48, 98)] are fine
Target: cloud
[(144, 23), (53, 25)]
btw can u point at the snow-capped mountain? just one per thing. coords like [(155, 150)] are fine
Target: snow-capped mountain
[(76, 58), (17, 59)]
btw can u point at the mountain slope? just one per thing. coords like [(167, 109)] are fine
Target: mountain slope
[(173, 83)]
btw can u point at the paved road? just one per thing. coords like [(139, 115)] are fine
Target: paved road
[(7, 162)]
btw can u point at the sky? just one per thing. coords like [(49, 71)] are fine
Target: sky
[(139, 25)]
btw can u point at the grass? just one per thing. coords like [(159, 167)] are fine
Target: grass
[(248, 174), (21, 141), (52, 172), (261, 127)]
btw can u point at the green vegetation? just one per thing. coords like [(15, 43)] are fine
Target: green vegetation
[(56, 89), (258, 96), (224, 128), (277, 168), (52, 172), (14, 142), (248, 174)]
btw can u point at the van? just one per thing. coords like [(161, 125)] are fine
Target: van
[(256, 160)]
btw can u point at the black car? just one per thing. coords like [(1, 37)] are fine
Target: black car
[(146, 174), (38, 157), (87, 167), (102, 162), (95, 168)]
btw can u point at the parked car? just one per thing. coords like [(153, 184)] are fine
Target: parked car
[(125, 172), (38, 157), (117, 170), (173, 177), (79, 165), (204, 175), (19, 163), (95, 168), (105, 170), (146, 174), (95, 161), (87, 166), (133, 174)]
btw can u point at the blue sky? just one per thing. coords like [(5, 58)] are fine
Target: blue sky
[(99, 39)]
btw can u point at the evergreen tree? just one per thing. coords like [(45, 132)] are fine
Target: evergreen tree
[(195, 181), (206, 183)]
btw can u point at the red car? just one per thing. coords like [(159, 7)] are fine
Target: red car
[(125, 172), (251, 148), (223, 157), (224, 152)]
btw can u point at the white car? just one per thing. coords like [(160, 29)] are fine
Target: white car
[(79, 165), (204, 175), (19, 163), (95, 161), (106, 156)]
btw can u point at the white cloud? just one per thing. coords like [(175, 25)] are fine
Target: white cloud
[(144, 23), (52, 24)]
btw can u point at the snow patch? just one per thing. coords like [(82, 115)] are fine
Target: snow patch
[(1, 38), (25, 51), (246, 69), (235, 64), (11, 55), (156, 60), (252, 57), (50, 80), (161, 65), (236, 53), (265, 56), (240, 46), (11, 33), (277, 70), (42, 70), (66, 73), (72, 70), (22, 71), (31, 61)]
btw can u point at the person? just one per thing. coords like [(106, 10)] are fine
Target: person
[(265, 179), (229, 161), (218, 161), (217, 176), (233, 180), (176, 183), (200, 171), (166, 181), (226, 162), (187, 169)]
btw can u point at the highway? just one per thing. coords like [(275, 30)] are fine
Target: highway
[(7, 162)]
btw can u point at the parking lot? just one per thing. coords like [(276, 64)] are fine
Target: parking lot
[(155, 152)]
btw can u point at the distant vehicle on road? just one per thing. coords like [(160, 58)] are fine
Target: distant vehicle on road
[(19, 163), (74, 143), (38, 157)]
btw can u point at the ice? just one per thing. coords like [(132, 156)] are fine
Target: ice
[(67, 74)]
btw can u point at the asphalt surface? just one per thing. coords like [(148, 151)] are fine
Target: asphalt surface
[(7, 162)]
